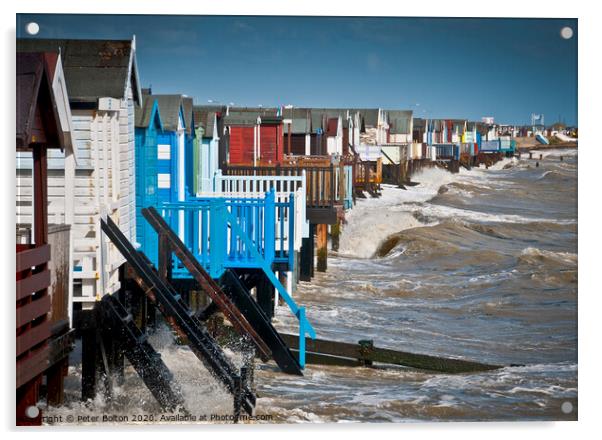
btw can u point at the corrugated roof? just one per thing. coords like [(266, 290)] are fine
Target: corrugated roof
[(93, 68)]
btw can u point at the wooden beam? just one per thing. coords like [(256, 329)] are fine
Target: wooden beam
[(322, 244), (364, 353)]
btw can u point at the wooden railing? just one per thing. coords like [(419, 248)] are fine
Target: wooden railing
[(33, 305), (369, 172), (325, 184)]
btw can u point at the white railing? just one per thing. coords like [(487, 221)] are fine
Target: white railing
[(257, 187)]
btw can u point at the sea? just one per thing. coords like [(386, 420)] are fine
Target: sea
[(480, 265)]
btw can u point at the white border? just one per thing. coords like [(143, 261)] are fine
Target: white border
[(590, 100)]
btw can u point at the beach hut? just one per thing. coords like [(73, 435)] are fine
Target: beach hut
[(206, 150), (331, 131), (189, 142), (297, 131), (102, 79), (42, 320), (148, 128), (254, 136), (400, 126), (174, 156)]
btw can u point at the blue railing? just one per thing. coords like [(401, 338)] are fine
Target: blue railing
[(201, 224), (232, 233)]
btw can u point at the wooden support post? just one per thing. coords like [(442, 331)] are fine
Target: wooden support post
[(89, 364), (27, 399), (116, 360), (536, 164), (40, 202), (541, 157), (561, 159), (307, 255), (366, 351), (164, 258), (265, 295), (55, 379), (335, 234), (322, 238), (530, 155)]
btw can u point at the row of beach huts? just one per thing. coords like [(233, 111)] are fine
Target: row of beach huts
[(130, 201)]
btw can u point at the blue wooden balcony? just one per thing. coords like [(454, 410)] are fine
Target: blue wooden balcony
[(237, 233), (232, 233)]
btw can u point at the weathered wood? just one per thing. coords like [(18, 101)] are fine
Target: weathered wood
[(319, 348), (322, 243), (35, 256), (307, 255), (265, 295), (55, 382)]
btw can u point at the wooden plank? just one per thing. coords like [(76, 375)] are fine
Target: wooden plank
[(324, 359), (32, 310), (32, 284), (387, 356), (32, 257), (32, 365), (325, 216), (33, 337)]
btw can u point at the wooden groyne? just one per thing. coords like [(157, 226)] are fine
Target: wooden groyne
[(364, 353)]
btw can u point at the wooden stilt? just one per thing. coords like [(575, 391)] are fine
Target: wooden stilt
[(322, 238), (27, 399), (307, 255), (89, 364), (265, 296), (335, 234), (55, 379)]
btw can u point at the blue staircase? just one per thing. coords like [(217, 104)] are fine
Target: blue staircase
[(236, 233)]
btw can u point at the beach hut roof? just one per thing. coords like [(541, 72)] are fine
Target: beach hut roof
[(301, 121), (188, 113), (93, 68), (144, 113), (248, 116), (204, 118), (170, 107), (400, 121), (369, 116), (34, 87)]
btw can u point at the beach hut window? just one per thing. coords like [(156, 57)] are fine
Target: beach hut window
[(163, 152), (164, 180)]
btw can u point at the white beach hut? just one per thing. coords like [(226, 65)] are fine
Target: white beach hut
[(99, 178)]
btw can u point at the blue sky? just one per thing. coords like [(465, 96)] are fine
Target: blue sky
[(464, 68)]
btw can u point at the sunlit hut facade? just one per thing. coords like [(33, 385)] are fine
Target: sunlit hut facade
[(253, 136), (102, 81)]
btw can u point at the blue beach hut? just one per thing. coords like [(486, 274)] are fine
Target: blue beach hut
[(148, 128)]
